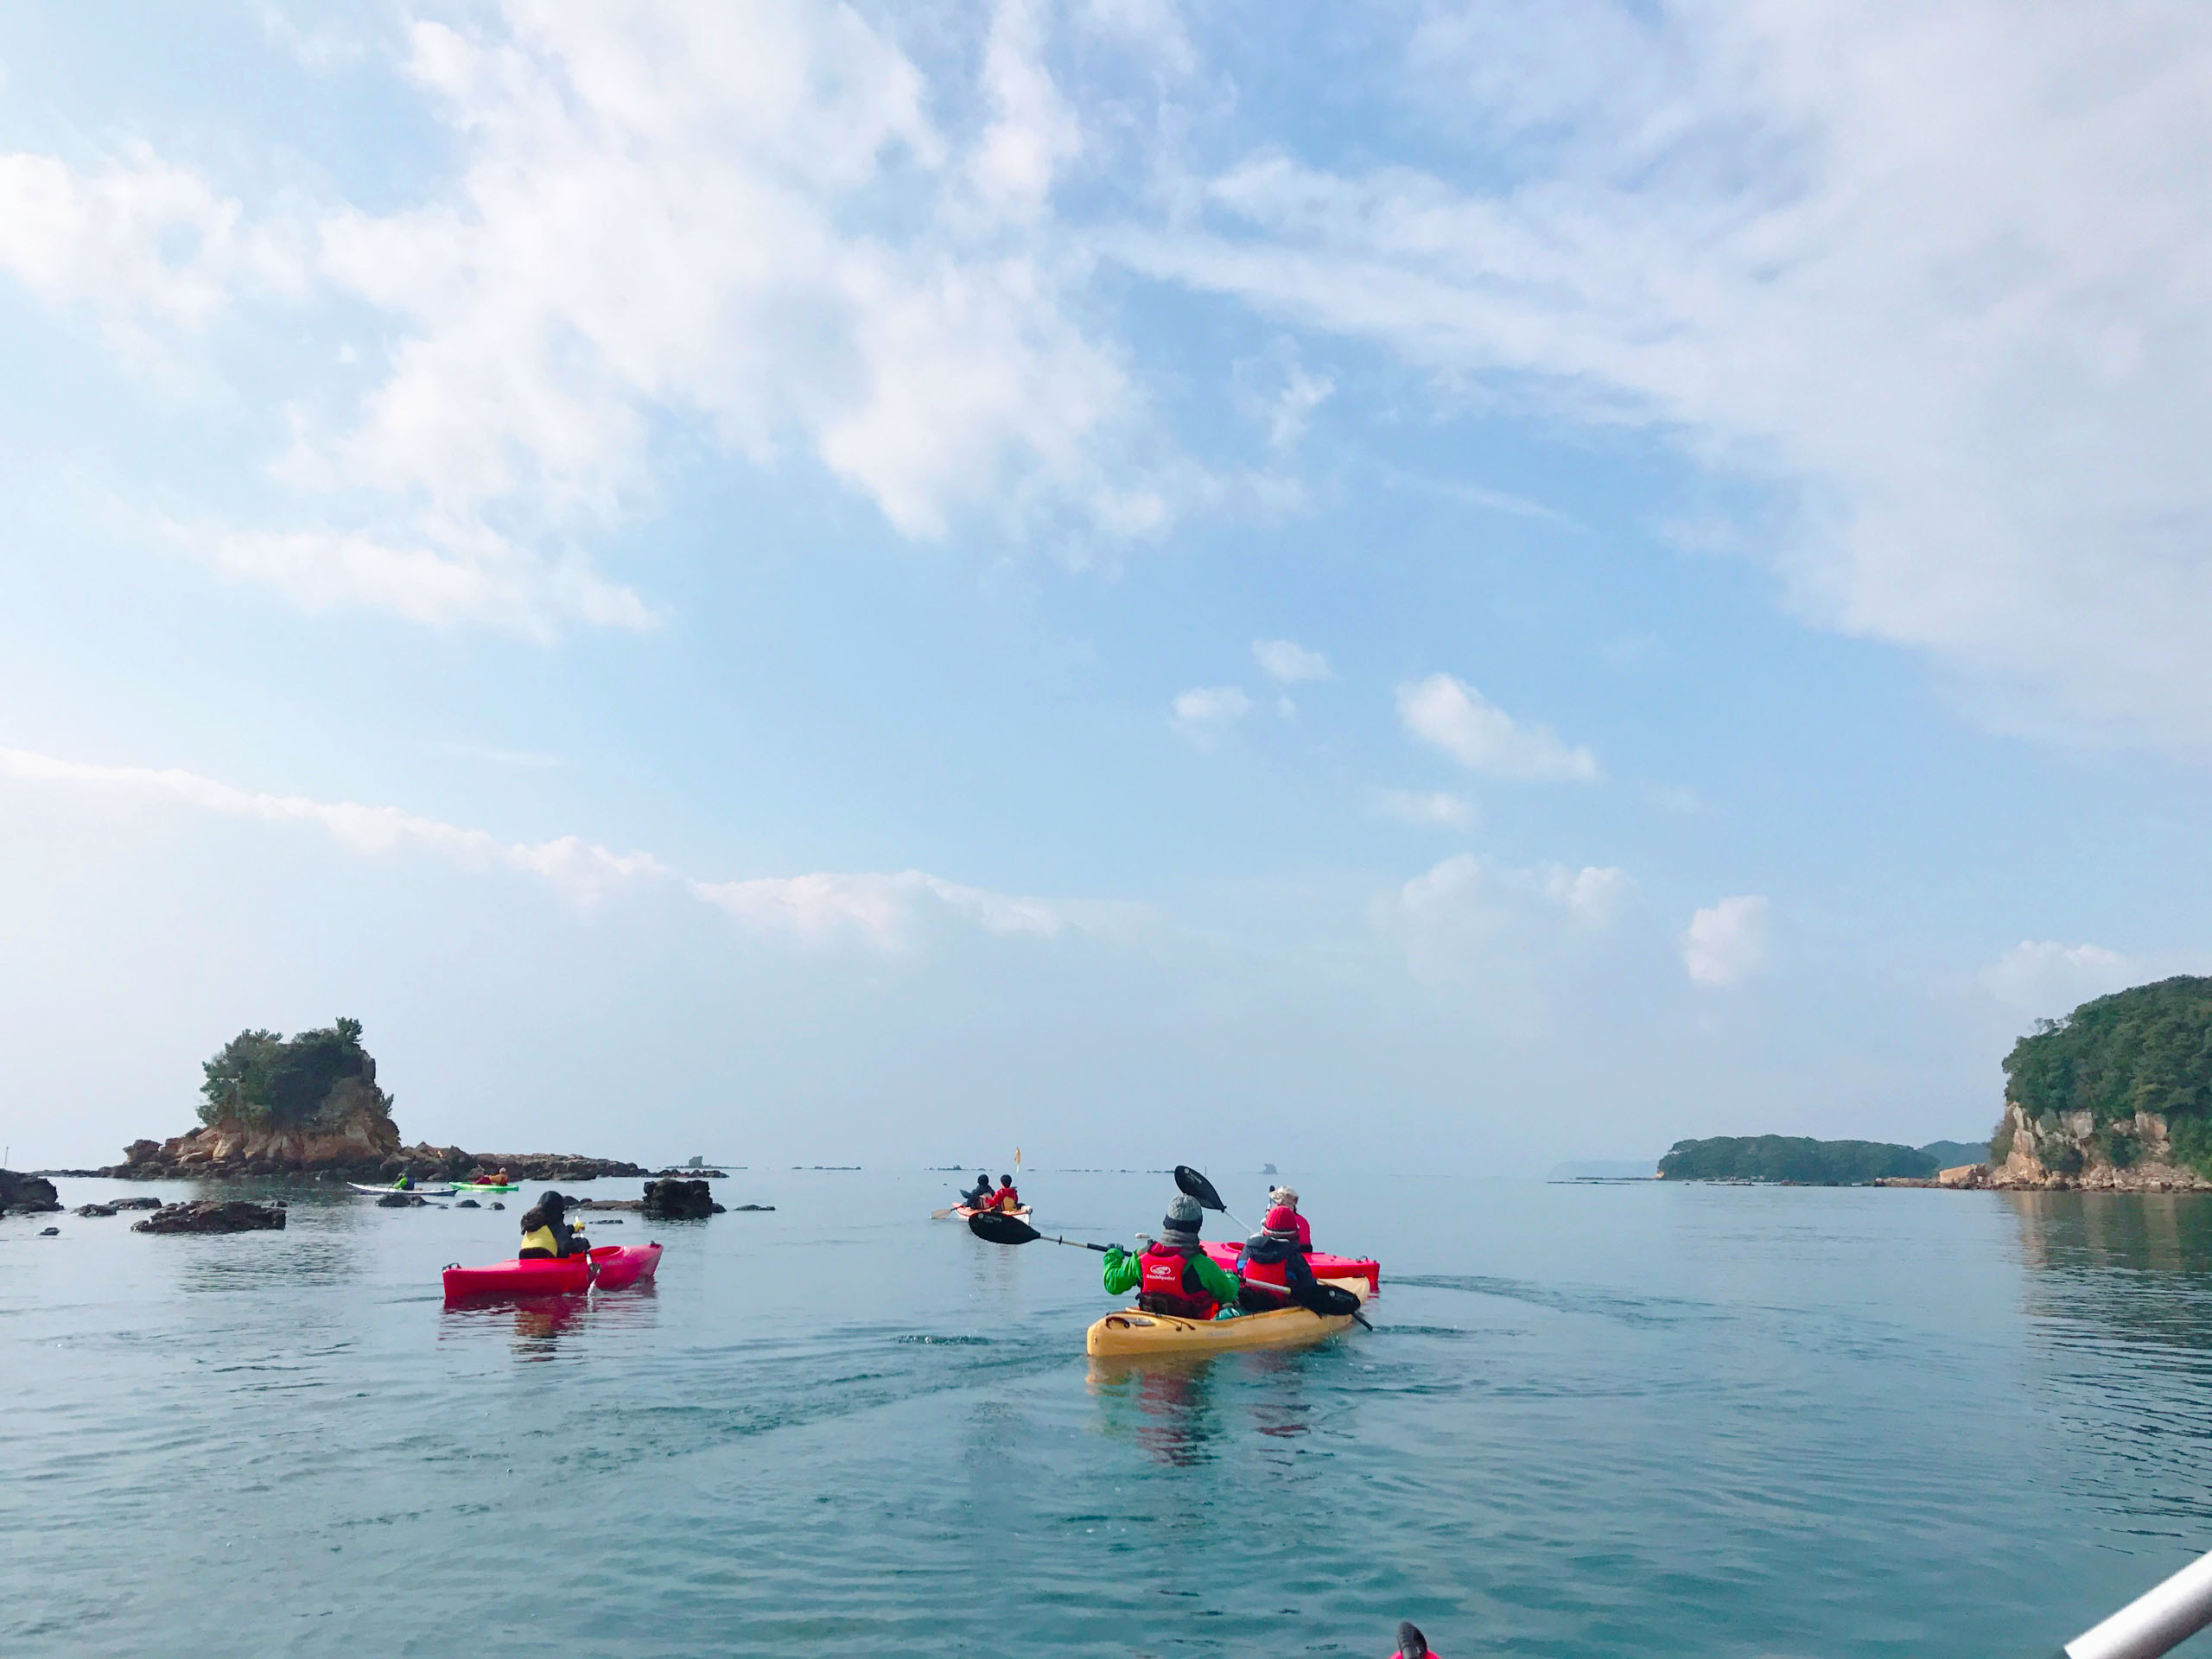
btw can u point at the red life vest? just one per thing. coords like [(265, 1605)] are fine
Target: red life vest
[(1160, 1285), (1274, 1275)]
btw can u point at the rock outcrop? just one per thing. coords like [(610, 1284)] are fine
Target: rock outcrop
[(678, 1201), (212, 1217), (2072, 1151), (26, 1195)]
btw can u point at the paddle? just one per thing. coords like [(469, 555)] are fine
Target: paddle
[(1201, 1189), (1013, 1229)]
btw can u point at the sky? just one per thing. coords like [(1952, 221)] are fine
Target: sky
[(1482, 583)]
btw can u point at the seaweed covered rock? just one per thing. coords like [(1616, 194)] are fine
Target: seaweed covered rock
[(678, 1201), (209, 1216)]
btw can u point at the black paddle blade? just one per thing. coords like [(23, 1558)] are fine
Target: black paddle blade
[(1002, 1228), (1331, 1300), (1200, 1188)]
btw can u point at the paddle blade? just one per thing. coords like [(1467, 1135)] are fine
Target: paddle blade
[(1331, 1300), (1200, 1188), (1002, 1228)]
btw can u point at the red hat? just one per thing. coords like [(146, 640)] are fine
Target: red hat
[(1280, 1219)]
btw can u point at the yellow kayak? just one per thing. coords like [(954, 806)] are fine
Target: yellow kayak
[(1133, 1332)]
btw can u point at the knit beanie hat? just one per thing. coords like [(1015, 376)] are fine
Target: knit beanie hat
[(1184, 1216), (1282, 1221), (1412, 1644)]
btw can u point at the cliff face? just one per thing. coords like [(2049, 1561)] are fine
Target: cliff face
[(355, 1134), (2069, 1150)]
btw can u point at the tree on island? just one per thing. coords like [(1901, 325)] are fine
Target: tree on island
[(2145, 1050), (1793, 1157), (259, 1080)]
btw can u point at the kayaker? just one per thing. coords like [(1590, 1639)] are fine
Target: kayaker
[(1285, 1197), (1005, 1199), (1412, 1644), (1174, 1275), (1273, 1267), (978, 1197), (546, 1233), (405, 1183)]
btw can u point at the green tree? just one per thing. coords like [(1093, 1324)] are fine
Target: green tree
[(258, 1080)]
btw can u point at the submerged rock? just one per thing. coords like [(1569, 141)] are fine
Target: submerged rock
[(678, 1201), (94, 1210), (401, 1201), (468, 1204), (49, 1232), (209, 1215)]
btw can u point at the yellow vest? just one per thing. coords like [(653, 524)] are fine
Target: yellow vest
[(543, 1239)]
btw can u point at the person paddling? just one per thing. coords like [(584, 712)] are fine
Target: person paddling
[(1006, 1200), (546, 1234), (978, 1197), (1285, 1197), (1174, 1275), (1412, 1644), (1273, 1267)]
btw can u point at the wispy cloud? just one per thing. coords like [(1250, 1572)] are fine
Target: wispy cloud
[(2044, 977), (885, 912), (1474, 731), (1289, 663), (1427, 810), (1205, 713)]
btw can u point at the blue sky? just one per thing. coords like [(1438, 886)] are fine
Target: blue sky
[(1485, 582)]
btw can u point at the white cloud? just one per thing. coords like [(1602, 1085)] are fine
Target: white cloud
[(1283, 660), (1427, 808), (1727, 942), (138, 236), (455, 575), (885, 912), (1483, 738), (663, 219), (1467, 915), (2043, 978), (1205, 712), (1940, 273)]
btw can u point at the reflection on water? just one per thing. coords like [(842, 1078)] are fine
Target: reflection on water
[(1172, 1395), (538, 1324), (2120, 1288)]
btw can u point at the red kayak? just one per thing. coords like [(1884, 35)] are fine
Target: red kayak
[(1324, 1267), (610, 1266)]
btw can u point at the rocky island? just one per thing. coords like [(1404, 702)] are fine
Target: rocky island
[(2117, 1096), (310, 1105)]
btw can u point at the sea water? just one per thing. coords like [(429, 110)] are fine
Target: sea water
[(1641, 1419)]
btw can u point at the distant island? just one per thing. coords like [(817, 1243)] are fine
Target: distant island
[(1800, 1161), (310, 1104)]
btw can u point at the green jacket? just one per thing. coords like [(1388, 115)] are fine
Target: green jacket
[(1122, 1273)]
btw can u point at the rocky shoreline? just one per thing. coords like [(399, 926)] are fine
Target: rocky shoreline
[(355, 1154)]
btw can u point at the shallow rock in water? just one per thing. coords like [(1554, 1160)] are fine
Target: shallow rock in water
[(678, 1201), (135, 1203), (94, 1210), (496, 1205), (761, 1208), (210, 1216), (401, 1201), (468, 1204), (49, 1232), (26, 1195)]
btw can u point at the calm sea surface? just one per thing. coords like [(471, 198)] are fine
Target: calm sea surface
[(1593, 1420)]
